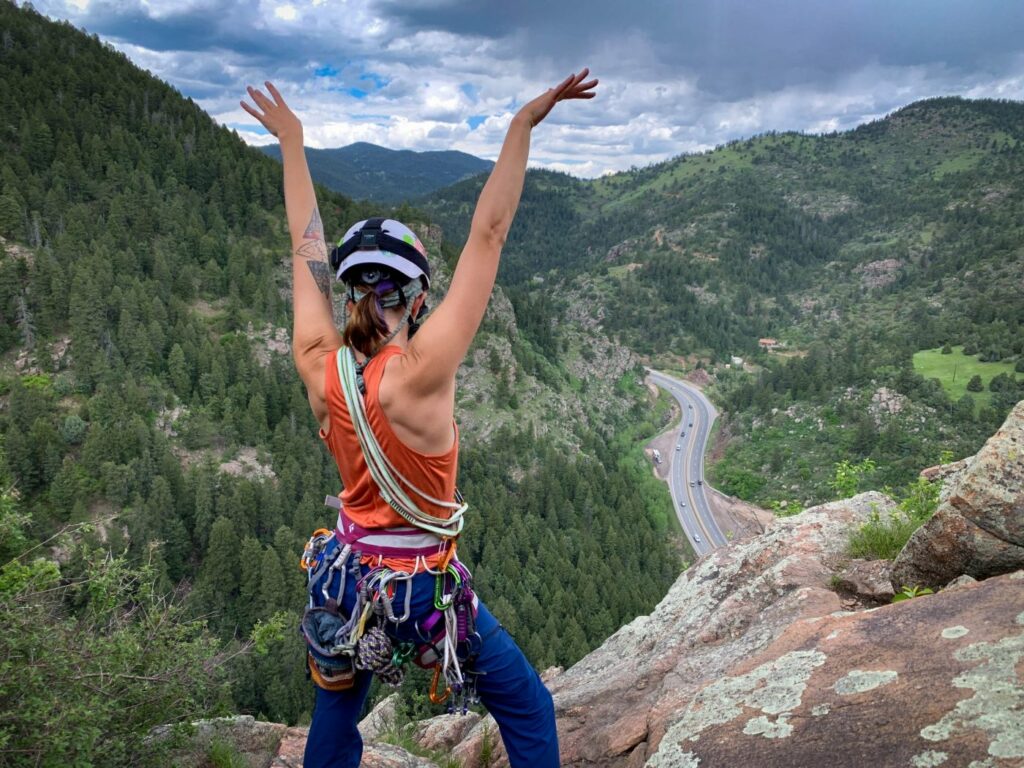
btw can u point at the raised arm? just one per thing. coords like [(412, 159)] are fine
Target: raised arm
[(314, 334), (437, 350)]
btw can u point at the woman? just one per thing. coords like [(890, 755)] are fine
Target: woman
[(385, 586)]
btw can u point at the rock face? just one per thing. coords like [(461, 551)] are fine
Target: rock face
[(918, 683), (616, 704), (747, 655), (867, 579), (978, 528)]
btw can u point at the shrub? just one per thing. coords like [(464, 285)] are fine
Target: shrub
[(848, 476), (908, 593), (880, 539), (883, 539), (975, 385), (83, 686)]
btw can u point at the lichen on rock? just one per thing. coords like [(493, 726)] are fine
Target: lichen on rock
[(997, 706), (774, 688)]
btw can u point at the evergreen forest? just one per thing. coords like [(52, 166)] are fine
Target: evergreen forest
[(852, 297), (161, 468)]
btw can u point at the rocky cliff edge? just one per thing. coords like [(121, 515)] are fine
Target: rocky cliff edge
[(752, 660)]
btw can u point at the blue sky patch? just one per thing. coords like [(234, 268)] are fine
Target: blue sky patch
[(470, 90), (475, 121), (253, 127), (379, 81), (325, 71)]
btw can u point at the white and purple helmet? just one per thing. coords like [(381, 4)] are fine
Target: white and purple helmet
[(374, 243)]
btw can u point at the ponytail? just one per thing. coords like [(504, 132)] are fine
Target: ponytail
[(366, 329)]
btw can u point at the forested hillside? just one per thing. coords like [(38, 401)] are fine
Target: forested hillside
[(160, 468), (367, 172), (857, 251)]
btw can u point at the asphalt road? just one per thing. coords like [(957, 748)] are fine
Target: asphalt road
[(686, 464)]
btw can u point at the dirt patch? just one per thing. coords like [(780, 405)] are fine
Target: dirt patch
[(737, 518), (665, 443), (247, 464), (699, 377), (721, 441)]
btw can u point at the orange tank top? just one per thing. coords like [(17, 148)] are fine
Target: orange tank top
[(361, 499)]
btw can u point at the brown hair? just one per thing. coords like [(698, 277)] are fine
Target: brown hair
[(366, 328)]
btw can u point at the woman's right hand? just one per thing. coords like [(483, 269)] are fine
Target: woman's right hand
[(572, 87), (276, 117)]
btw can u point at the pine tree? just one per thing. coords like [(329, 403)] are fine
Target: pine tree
[(12, 221), (273, 595), (217, 584), (250, 583), (177, 371)]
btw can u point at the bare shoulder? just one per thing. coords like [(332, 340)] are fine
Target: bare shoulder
[(421, 418)]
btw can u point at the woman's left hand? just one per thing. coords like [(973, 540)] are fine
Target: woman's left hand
[(572, 87), (276, 116)]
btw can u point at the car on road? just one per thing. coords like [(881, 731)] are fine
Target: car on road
[(691, 423), (692, 483), (696, 537), (690, 406), (700, 482), (679, 446), (682, 503)]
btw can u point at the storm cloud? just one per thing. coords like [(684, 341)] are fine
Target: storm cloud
[(676, 76)]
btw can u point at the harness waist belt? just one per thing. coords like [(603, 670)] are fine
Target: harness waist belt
[(404, 541)]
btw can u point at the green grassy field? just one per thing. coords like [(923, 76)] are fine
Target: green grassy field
[(955, 370)]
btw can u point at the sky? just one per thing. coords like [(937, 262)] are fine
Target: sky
[(676, 76)]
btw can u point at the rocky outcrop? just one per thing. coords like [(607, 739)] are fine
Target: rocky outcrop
[(866, 579), (259, 745), (978, 528), (616, 704), (748, 655), (927, 682)]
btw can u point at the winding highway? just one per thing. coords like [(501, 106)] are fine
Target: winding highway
[(686, 464)]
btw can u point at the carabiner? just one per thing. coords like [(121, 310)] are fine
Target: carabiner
[(434, 698)]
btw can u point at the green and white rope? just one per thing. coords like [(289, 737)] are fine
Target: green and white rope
[(389, 480)]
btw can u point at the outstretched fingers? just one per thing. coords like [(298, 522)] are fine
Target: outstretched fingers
[(573, 87), (275, 93)]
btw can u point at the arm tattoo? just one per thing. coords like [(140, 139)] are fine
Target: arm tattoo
[(315, 228), (314, 250), (315, 253), (321, 276)]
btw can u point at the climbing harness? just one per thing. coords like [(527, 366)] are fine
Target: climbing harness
[(339, 645)]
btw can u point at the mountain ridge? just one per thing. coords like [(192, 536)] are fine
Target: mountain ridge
[(368, 171)]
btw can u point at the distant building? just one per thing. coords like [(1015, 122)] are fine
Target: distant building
[(737, 362), (770, 343)]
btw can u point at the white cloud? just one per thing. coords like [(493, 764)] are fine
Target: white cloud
[(286, 12), (412, 75)]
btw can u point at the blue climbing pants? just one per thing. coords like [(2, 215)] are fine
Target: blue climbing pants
[(506, 683)]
